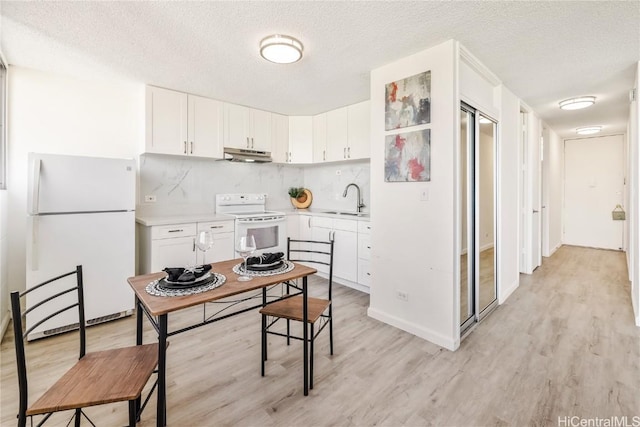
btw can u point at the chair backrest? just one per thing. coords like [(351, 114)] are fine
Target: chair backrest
[(312, 251), (40, 307)]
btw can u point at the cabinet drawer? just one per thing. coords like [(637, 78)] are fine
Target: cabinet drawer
[(345, 225), (364, 272), (364, 246), (322, 221), (171, 231), (216, 226), (364, 227)]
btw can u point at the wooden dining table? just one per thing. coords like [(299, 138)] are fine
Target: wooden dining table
[(158, 308)]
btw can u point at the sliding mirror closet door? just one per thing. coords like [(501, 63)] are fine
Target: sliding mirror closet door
[(486, 214), (467, 292), (477, 203)]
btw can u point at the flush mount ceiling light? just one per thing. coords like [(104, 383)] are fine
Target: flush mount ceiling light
[(578, 103), (281, 49), (588, 130)]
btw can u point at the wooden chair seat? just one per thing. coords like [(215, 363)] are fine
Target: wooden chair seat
[(291, 308), (101, 377)]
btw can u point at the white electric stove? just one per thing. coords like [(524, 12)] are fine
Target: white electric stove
[(269, 228)]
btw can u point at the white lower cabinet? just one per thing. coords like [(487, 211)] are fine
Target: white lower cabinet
[(364, 253), (173, 245), (352, 246), (345, 245), (223, 244)]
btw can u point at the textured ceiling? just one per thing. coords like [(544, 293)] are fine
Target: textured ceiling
[(543, 51)]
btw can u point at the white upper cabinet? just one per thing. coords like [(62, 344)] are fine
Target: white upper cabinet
[(178, 123), (247, 128), (319, 138), (359, 131), (337, 134), (300, 139), (205, 127), (342, 134), (279, 138)]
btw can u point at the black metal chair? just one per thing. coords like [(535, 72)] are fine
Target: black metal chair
[(96, 378), (320, 310)]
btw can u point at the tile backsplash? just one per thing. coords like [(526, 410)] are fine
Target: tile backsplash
[(191, 183)]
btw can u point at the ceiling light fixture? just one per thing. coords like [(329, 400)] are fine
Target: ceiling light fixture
[(588, 130), (281, 49), (578, 103)]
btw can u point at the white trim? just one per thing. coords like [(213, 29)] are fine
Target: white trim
[(506, 292), (478, 66), (412, 328), (553, 251)]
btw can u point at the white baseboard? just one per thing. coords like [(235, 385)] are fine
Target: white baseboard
[(5, 323), (506, 293), (555, 249), (427, 334)]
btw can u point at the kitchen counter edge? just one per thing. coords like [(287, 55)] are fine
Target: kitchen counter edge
[(151, 221)]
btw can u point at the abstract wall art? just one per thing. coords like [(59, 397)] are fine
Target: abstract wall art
[(408, 157), (408, 102)]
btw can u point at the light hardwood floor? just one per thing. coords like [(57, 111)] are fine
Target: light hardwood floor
[(564, 344)]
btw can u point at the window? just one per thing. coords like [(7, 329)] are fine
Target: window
[(3, 127)]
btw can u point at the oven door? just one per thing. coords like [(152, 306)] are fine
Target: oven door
[(270, 234)]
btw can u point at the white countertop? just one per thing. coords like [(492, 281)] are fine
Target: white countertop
[(150, 220), (331, 213)]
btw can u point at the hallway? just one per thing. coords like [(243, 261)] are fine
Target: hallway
[(563, 345)]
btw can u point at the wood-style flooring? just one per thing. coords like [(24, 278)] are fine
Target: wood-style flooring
[(564, 344)]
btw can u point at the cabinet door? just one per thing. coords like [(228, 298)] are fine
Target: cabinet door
[(300, 139), (236, 126), (260, 135), (305, 227), (345, 257), (359, 131), (205, 127), (320, 138), (166, 121), (222, 249), (279, 138), (337, 134), (322, 234), (177, 252)]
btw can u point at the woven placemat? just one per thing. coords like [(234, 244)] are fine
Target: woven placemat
[(286, 267), (155, 288)]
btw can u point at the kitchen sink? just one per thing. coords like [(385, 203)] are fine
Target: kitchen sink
[(344, 213)]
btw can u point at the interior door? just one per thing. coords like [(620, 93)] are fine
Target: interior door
[(594, 184)]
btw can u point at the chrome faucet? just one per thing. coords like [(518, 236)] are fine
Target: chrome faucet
[(359, 201)]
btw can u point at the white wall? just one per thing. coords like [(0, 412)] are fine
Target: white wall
[(553, 192), (508, 189), (4, 284), (57, 114), (413, 240), (633, 253)]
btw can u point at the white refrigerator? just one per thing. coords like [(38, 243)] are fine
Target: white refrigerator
[(81, 211)]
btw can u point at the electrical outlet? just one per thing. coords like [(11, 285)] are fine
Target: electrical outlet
[(402, 295), (150, 198)]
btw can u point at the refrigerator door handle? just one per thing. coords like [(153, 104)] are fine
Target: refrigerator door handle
[(35, 189), (35, 225)]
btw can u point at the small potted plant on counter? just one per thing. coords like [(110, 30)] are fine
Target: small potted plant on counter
[(300, 197)]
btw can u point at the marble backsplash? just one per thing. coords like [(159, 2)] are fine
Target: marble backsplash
[(190, 184)]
